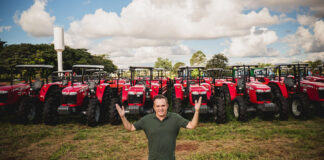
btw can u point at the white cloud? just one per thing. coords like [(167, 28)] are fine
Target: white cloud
[(173, 20), (304, 41), (253, 45), (316, 6), (36, 21), (306, 20), (5, 28)]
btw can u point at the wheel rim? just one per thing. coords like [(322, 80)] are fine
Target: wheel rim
[(97, 113), (236, 110), (296, 108), (32, 113)]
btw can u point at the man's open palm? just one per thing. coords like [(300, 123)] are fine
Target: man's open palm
[(198, 104), (121, 110)]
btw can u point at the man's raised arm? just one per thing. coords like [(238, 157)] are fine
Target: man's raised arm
[(194, 122), (121, 112)]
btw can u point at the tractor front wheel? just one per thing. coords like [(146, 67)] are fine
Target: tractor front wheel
[(240, 109), (93, 113), (114, 117), (300, 106), (219, 110), (225, 95), (282, 104), (30, 110)]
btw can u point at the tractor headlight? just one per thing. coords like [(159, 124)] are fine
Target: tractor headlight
[(131, 93), (195, 93), (73, 93), (321, 88), (259, 91), (3, 92), (139, 93), (203, 92)]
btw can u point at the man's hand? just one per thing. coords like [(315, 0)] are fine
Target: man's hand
[(198, 104), (121, 111), (194, 122)]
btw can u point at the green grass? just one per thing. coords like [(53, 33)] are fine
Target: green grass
[(255, 139)]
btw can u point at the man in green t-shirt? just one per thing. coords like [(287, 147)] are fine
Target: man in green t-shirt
[(161, 127)]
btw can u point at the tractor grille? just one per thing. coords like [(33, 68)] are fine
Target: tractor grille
[(196, 97), (69, 99), (321, 94), (135, 99), (3, 98), (265, 96)]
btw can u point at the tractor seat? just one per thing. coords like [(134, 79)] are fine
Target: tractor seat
[(240, 83), (92, 85), (64, 82), (289, 82), (37, 85)]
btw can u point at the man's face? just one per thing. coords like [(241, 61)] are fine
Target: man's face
[(160, 107)]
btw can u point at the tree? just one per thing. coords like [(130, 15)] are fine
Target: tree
[(163, 63), (314, 64), (217, 61), (176, 66), (198, 58)]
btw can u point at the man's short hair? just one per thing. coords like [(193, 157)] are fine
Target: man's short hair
[(160, 96)]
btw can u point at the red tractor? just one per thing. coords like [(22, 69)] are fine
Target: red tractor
[(40, 91), (12, 94), (185, 94), (302, 94), (245, 94), (137, 95), (84, 96)]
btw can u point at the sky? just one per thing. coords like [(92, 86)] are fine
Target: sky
[(137, 32)]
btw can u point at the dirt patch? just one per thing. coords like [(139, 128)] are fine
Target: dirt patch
[(187, 147)]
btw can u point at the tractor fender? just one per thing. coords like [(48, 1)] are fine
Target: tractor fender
[(232, 89), (100, 91), (155, 90), (46, 91), (209, 90), (178, 91), (281, 87)]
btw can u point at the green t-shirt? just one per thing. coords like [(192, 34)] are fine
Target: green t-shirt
[(161, 135)]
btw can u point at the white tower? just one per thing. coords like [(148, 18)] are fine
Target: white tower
[(59, 46)]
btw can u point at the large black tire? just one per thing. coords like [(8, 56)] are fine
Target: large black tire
[(105, 106), (93, 112), (114, 117), (219, 110), (225, 95), (283, 106), (52, 102), (30, 110), (300, 106), (176, 106), (240, 109)]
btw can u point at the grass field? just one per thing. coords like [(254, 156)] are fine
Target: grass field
[(256, 139)]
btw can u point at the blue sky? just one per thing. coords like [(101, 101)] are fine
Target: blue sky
[(136, 32)]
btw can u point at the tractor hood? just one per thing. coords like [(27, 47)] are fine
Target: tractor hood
[(258, 87), (137, 89), (73, 90), (196, 89), (6, 89)]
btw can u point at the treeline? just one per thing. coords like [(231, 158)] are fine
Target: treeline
[(11, 55)]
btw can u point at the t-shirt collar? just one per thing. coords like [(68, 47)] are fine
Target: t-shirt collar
[(166, 117)]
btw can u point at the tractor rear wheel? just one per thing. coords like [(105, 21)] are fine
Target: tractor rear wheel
[(30, 110), (219, 110), (176, 105), (93, 113), (300, 106), (282, 104), (114, 117), (240, 109)]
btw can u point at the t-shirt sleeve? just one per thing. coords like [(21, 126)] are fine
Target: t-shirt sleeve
[(139, 125), (182, 122)]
